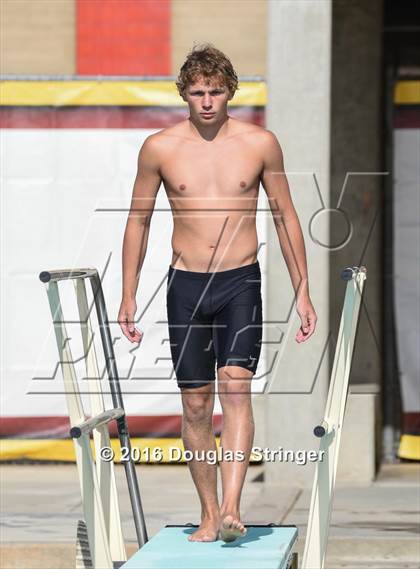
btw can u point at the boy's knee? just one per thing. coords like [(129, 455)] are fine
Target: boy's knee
[(198, 406)]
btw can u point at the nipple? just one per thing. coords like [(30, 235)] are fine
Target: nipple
[(243, 184), (182, 187)]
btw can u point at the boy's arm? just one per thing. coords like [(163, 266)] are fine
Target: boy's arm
[(274, 181), (146, 186)]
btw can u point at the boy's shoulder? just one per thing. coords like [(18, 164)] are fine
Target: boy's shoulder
[(164, 139), (253, 133), (167, 136), (174, 130)]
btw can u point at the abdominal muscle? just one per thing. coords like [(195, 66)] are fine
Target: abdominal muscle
[(214, 242)]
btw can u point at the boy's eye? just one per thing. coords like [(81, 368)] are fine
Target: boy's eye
[(201, 93)]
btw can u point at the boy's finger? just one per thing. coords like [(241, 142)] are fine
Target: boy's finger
[(130, 323), (305, 321), (125, 327), (136, 335), (311, 329)]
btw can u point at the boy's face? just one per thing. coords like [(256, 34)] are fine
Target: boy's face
[(207, 101)]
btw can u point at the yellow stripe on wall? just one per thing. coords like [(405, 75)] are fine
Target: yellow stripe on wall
[(409, 447), (118, 93), (165, 451), (407, 93)]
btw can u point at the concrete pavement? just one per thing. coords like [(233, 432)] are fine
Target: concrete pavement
[(372, 526)]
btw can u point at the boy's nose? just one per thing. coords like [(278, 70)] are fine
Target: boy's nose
[(207, 102)]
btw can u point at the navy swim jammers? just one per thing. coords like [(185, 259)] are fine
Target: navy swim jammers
[(213, 317)]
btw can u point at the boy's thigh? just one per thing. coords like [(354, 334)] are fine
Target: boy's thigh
[(238, 332), (192, 353)]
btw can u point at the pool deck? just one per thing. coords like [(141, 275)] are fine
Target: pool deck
[(372, 526)]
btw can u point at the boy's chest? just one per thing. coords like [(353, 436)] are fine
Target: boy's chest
[(197, 170)]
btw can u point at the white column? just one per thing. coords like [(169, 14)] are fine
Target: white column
[(298, 112)]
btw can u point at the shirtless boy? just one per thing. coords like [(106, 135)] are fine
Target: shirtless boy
[(211, 166)]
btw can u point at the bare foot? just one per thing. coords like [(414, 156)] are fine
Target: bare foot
[(231, 528), (208, 531)]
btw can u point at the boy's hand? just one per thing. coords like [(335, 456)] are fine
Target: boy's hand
[(307, 317), (126, 315)]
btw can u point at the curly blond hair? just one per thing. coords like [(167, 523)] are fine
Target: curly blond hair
[(205, 61)]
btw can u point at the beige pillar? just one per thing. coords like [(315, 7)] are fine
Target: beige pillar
[(298, 112)]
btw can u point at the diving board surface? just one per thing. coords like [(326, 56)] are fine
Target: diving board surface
[(268, 546)]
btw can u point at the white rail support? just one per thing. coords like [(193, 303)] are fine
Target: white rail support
[(93, 510), (100, 542), (329, 430), (104, 469)]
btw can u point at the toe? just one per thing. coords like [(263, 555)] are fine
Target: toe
[(227, 522)]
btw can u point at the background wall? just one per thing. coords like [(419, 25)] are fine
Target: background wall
[(75, 38), (37, 37), (237, 28), (68, 162), (121, 37)]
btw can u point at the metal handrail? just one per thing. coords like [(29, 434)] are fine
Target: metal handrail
[(65, 274), (94, 422), (53, 276)]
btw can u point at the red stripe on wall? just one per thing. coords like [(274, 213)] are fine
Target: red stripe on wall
[(406, 116), (59, 427), (109, 117), (123, 37), (411, 423)]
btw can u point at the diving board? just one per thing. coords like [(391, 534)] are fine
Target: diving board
[(269, 546)]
